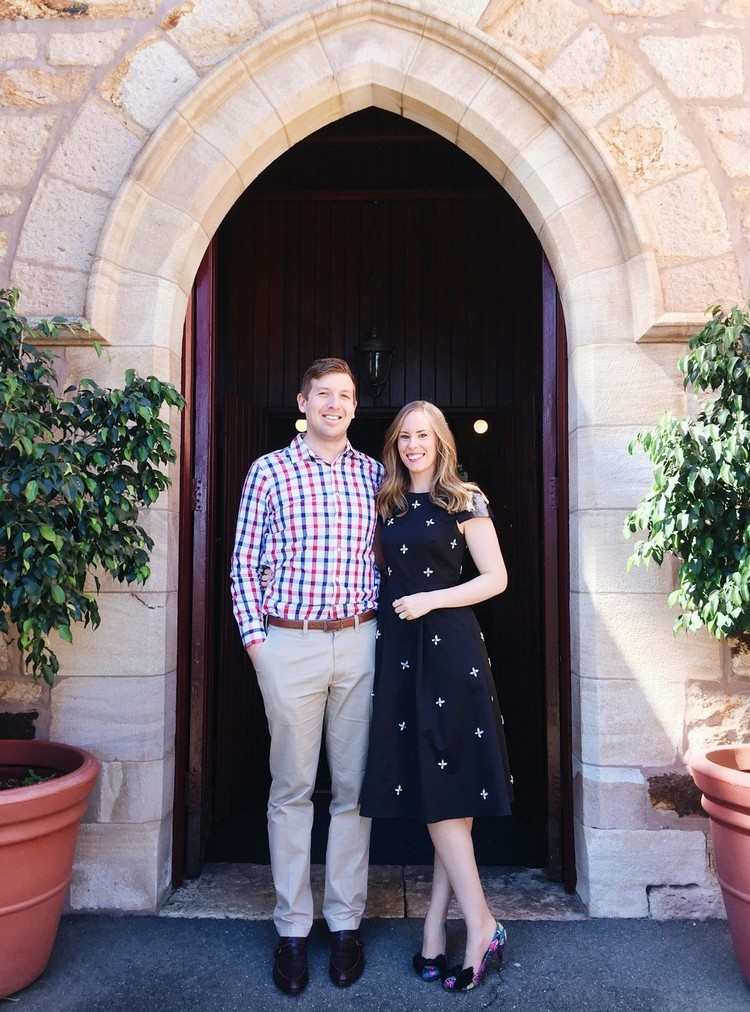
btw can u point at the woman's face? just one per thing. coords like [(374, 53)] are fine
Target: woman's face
[(417, 445)]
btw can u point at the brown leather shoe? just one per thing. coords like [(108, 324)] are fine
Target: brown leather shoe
[(290, 973), (347, 957)]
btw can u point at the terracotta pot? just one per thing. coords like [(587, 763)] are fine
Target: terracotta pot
[(38, 830), (723, 775)]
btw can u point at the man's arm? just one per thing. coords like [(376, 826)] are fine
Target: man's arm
[(249, 542)]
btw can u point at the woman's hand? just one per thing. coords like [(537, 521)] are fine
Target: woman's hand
[(413, 605)]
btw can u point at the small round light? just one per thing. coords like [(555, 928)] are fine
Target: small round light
[(481, 426), (301, 425)]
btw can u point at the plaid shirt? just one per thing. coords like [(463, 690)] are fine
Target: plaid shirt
[(312, 523)]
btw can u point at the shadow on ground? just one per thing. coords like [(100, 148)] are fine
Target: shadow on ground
[(118, 964)]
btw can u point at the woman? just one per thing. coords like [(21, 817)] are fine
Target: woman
[(437, 749)]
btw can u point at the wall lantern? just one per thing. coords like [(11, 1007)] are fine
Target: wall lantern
[(481, 425), (301, 425), (374, 359)]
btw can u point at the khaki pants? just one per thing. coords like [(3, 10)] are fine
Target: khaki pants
[(311, 680)]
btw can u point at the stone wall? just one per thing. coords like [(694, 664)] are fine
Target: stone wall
[(621, 127)]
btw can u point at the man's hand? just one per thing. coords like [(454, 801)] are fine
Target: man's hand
[(254, 650), (413, 605)]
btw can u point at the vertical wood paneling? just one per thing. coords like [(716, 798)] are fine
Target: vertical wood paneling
[(413, 237)]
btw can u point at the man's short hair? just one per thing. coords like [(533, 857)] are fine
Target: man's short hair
[(322, 367)]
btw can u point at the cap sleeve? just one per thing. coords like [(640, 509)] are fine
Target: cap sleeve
[(480, 507)]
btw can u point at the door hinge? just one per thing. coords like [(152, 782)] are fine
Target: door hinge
[(197, 495), (553, 493)]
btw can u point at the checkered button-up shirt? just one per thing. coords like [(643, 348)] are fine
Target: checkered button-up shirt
[(312, 524)]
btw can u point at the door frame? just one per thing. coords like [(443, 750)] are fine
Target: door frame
[(195, 674), (195, 622)]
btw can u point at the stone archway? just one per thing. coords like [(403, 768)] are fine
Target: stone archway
[(296, 79), (315, 69)]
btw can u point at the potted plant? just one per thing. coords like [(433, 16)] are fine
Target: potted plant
[(75, 468), (699, 511)]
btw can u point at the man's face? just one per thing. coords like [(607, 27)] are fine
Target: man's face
[(329, 405)]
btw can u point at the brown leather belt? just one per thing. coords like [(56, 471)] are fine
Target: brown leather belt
[(326, 625)]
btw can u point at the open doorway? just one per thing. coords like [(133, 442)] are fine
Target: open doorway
[(377, 224)]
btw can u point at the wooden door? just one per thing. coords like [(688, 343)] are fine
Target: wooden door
[(375, 222)]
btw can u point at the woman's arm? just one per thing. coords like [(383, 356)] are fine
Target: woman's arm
[(484, 548)]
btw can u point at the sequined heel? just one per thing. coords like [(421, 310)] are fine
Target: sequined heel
[(429, 969), (467, 979)]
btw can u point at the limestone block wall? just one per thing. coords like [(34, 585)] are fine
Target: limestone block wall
[(621, 128)]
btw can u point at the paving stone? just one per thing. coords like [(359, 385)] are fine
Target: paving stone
[(246, 891), (512, 893)]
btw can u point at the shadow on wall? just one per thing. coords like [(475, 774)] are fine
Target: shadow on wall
[(641, 699)]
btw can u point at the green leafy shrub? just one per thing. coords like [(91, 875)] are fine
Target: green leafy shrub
[(74, 470), (699, 506)]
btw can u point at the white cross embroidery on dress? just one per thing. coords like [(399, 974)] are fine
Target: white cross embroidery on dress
[(427, 572), (390, 571), (398, 789), (389, 522), (377, 634), (404, 665), (483, 793), (429, 522), (402, 726), (474, 672), (442, 764), (416, 504), (511, 779), (454, 543), (440, 701), (479, 732), (436, 639), (403, 549)]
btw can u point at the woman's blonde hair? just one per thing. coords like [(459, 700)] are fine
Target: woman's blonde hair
[(448, 490)]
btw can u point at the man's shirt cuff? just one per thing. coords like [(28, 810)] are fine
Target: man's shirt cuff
[(251, 637)]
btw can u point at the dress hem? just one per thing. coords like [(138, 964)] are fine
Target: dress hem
[(435, 817)]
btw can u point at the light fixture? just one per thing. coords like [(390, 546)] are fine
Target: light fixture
[(374, 358), (481, 425), (301, 425)]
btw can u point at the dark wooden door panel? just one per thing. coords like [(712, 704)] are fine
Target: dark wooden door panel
[(359, 228)]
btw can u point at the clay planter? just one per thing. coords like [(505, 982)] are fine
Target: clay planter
[(38, 830), (723, 775)]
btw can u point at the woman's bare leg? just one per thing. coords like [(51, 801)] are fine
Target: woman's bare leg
[(433, 938), (453, 844)]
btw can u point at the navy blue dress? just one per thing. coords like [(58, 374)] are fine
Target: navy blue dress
[(437, 748)]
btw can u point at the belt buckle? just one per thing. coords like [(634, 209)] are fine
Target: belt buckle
[(333, 624)]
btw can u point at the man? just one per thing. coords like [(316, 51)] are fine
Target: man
[(307, 514)]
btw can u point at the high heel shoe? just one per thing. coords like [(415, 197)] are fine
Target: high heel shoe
[(466, 979), (429, 969)]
